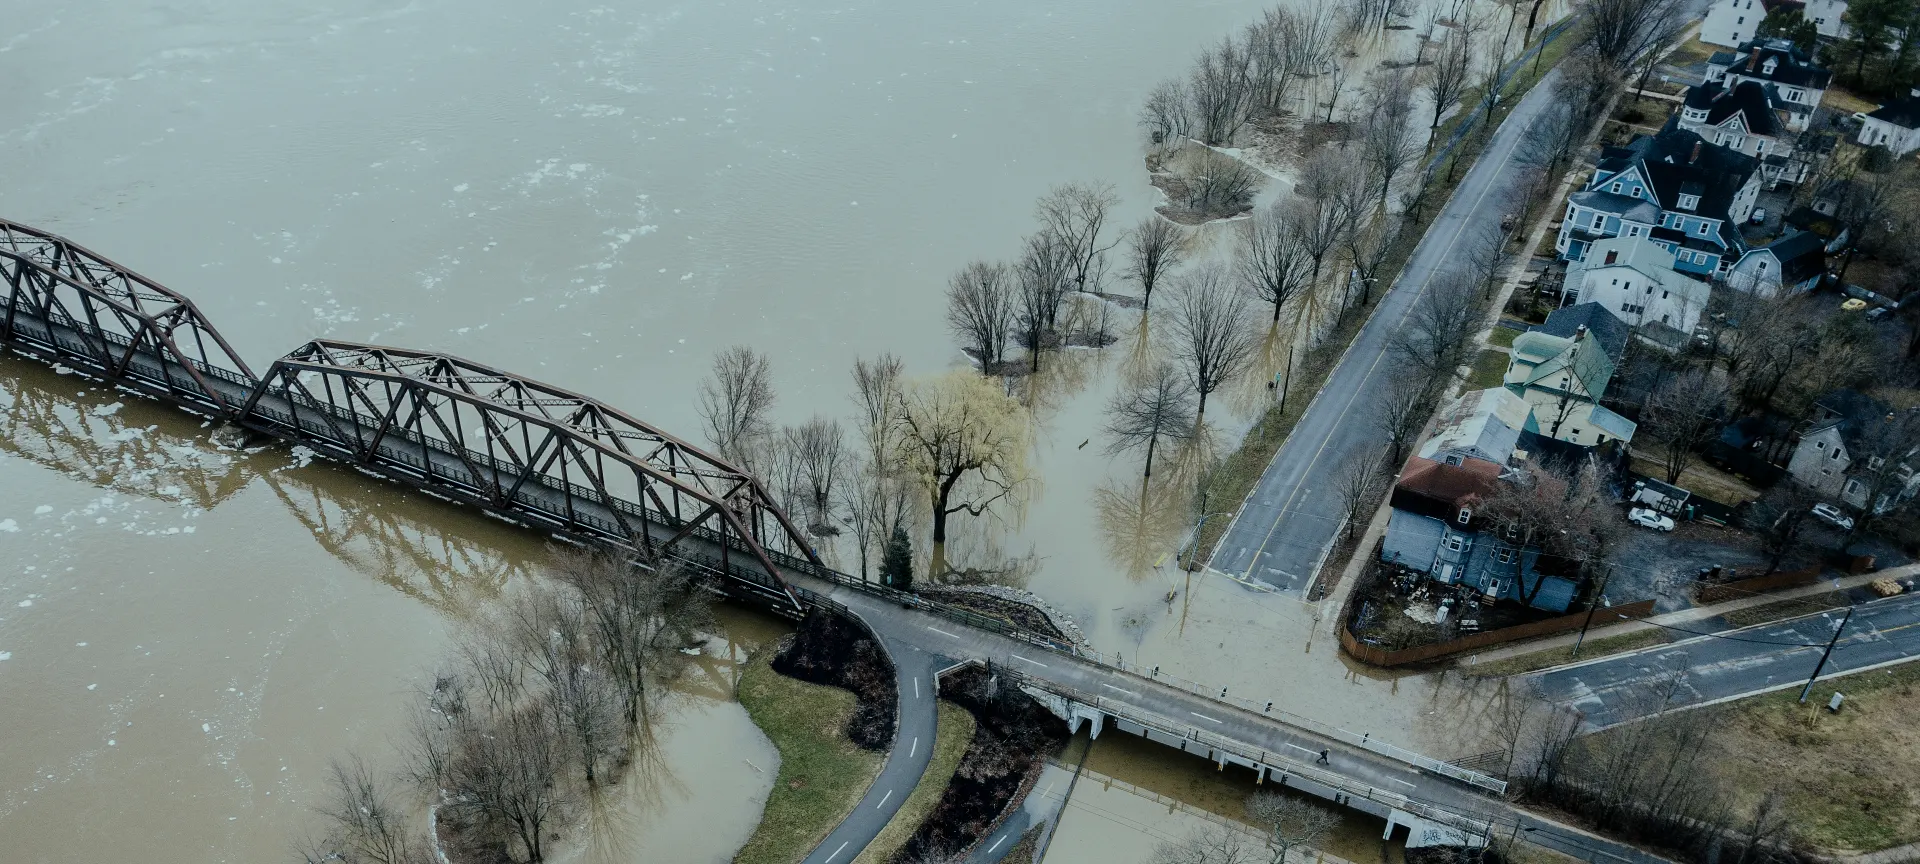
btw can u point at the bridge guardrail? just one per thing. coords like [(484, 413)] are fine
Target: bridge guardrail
[(1329, 779)]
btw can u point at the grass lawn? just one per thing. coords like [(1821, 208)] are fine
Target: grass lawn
[(1694, 51), (1780, 609), (1844, 101), (1489, 370), (1700, 478), (954, 731), (1849, 778), (1502, 337), (822, 774), (1534, 661)]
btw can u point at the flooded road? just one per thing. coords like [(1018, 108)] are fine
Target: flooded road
[(596, 196)]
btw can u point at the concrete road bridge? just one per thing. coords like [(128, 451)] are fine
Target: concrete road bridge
[(569, 465)]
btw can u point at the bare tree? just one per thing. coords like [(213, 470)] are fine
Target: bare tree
[(640, 616), (1486, 257), (1274, 263), (554, 630), (1209, 333), (1159, 406), (1359, 482), (1778, 517), (1436, 337), (1218, 184), (1683, 414), (735, 400), (1881, 459), (819, 446), (1167, 115), (1404, 409), (1384, 143), (1074, 215), (1220, 91), (1154, 247), (876, 391), (512, 777), (1622, 31), (1568, 518), (1368, 246), (1210, 844), (365, 826), (1445, 80), (966, 442), (1045, 275), (980, 309), (1291, 822)]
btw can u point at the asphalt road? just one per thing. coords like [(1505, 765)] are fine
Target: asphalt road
[(1290, 519), (1717, 668), (912, 750)]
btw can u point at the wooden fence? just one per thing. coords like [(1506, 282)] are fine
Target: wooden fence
[(1724, 591), (1377, 656)]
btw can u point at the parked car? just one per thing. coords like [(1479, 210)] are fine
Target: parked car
[(1759, 216), (1647, 518), (1833, 516)]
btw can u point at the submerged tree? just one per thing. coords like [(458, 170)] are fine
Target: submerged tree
[(1160, 406), (1209, 333), (1290, 822), (966, 442), (735, 400), (980, 310), (1154, 247)]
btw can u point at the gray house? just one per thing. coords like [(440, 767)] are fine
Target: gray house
[(1828, 458), (1433, 530)]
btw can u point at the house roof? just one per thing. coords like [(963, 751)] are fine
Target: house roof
[(1610, 332), (1482, 424), (1611, 424), (1635, 209), (1904, 113), (1793, 67), (1675, 158), (1802, 255), (1442, 487), (1752, 100), (1848, 409)]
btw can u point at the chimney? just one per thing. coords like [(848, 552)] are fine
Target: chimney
[(1696, 152), (1753, 60), (1579, 332)]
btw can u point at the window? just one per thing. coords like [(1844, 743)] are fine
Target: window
[(1703, 229), (1688, 202), (1570, 211), (1826, 472), (1504, 555), (1576, 433), (1663, 296), (1455, 542), (1635, 192), (1743, 20), (1616, 187), (1763, 266), (1633, 230), (1819, 445), (1599, 221), (1853, 487), (1466, 515), (1834, 454), (1874, 463)]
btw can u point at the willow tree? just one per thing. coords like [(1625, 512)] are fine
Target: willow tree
[(966, 443)]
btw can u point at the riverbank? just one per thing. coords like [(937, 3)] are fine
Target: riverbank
[(822, 772)]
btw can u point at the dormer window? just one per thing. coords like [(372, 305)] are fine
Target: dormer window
[(1697, 114), (1768, 67), (1466, 515), (1689, 202)]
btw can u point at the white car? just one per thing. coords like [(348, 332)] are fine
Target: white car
[(1646, 518), (1833, 516)]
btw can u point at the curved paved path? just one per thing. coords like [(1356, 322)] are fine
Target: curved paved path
[(912, 749)]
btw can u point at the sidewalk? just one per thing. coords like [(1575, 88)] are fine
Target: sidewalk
[(1685, 616)]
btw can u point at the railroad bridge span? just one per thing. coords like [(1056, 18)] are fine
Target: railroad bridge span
[(572, 466)]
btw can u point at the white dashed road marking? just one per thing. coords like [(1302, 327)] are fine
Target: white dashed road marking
[(1111, 687), (836, 852), (942, 632), (884, 799), (914, 749), (1025, 660), (1203, 716)]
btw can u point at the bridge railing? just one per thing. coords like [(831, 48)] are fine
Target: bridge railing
[(1478, 827)]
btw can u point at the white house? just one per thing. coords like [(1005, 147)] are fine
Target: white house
[(1826, 16), (1732, 23), (1895, 126), (1562, 368), (1827, 457), (1633, 277), (1799, 85), (1793, 263)]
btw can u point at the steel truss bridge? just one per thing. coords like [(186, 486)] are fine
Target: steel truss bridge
[(539, 455)]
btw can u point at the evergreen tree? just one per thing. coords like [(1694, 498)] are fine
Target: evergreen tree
[(896, 566)]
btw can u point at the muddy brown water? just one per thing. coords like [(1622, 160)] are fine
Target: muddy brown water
[(596, 196)]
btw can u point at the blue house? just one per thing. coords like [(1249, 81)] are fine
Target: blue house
[(1433, 529), (1675, 188)]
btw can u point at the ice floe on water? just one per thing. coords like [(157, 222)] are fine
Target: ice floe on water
[(9, 526), (302, 455)]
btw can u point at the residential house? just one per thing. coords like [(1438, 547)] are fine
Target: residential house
[(1678, 189), (1732, 22), (1799, 84), (1433, 529), (1828, 17), (1633, 277), (1747, 119), (1895, 125), (1791, 264), (1481, 424), (1826, 459), (1562, 369)]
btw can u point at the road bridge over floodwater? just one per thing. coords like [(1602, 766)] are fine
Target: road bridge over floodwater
[(572, 466)]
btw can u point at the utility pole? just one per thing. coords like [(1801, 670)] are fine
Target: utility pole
[(1827, 653), (1598, 594)]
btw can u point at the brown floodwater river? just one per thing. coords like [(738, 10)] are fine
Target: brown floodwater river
[(597, 195)]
